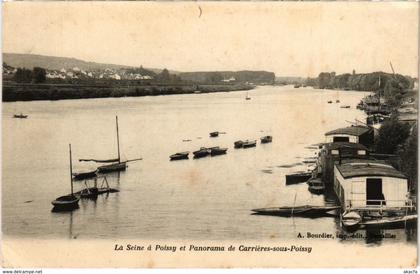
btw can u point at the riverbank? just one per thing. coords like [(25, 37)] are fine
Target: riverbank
[(31, 92), (398, 130)]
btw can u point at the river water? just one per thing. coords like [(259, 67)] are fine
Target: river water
[(209, 198)]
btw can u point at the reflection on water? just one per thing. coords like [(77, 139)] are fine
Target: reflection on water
[(209, 199)]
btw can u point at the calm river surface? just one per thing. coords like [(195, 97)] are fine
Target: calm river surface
[(209, 198)]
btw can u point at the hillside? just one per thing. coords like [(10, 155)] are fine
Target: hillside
[(29, 61)]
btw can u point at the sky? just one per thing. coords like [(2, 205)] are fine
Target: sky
[(288, 38)]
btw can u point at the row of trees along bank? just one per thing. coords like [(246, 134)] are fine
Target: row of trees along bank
[(363, 82)]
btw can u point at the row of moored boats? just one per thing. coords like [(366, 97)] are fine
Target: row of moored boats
[(217, 150)]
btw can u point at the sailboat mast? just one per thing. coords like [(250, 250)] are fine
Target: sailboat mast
[(118, 140), (71, 171)]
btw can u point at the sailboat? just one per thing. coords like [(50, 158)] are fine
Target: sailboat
[(115, 164), (70, 201), (247, 96)]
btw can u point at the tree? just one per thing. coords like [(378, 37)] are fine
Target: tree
[(214, 77), (392, 135), (23, 75), (164, 76), (326, 79), (409, 159), (39, 75)]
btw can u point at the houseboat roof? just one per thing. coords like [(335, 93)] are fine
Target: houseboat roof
[(338, 145), (367, 168), (352, 130)]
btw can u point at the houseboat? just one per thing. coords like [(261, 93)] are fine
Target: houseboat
[(353, 134), (374, 190), (332, 153), (369, 183)]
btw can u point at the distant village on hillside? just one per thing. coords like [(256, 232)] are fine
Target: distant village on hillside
[(27, 68)]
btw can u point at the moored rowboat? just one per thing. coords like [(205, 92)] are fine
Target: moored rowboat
[(299, 177), (217, 151), (238, 144), (301, 211), (248, 144), (390, 222), (179, 156), (202, 152), (351, 220), (266, 139)]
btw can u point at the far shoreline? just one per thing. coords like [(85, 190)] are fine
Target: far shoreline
[(53, 92)]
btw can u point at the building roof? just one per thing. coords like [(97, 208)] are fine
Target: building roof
[(368, 168), (352, 130), (338, 145)]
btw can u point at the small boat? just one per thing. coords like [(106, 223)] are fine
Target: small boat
[(309, 161), (90, 192), (84, 175), (202, 152), (93, 192), (316, 186), (296, 178), (351, 220), (214, 134), (266, 139), (20, 116), (248, 143), (313, 181), (121, 166), (179, 156), (346, 106), (309, 211), (70, 201), (66, 203), (391, 222), (329, 102), (238, 144), (116, 164), (217, 151)]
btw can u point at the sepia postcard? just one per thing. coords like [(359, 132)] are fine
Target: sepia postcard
[(209, 134)]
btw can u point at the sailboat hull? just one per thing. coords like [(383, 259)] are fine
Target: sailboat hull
[(66, 203), (113, 167)]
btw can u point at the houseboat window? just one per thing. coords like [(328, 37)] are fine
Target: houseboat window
[(361, 152), (334, 152), (374, 194), (340, 139)]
